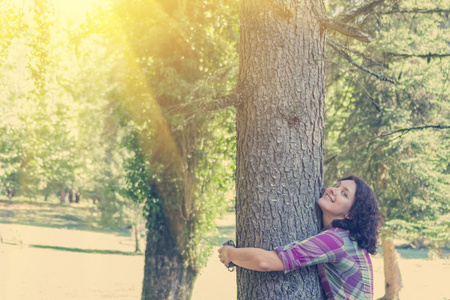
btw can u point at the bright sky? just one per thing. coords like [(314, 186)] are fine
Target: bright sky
[(73, 9)]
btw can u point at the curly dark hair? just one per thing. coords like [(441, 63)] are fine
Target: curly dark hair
[(364, 218)]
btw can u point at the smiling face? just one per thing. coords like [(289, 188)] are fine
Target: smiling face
[(337, 201)]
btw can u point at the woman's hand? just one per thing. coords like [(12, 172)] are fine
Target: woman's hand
[(224, 255), (251, 258)]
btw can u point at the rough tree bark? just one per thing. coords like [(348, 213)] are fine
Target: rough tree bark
[(392, 277), (280, 144)]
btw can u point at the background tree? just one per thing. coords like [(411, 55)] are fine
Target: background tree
[(398, 143), (51, 142), (174, 55)]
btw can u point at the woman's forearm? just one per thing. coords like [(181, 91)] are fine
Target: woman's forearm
[(255, 259)]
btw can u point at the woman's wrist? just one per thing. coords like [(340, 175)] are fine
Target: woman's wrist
[(229, 252)]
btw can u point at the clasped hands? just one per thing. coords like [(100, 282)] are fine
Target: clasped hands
[(224, 256)]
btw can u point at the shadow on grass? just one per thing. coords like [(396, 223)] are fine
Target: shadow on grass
[(79, 250), (119, 232), (61, 216)]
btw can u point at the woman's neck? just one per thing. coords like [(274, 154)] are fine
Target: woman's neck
[(327, 220)]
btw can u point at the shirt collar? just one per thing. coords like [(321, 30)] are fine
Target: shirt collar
[(327, 227)]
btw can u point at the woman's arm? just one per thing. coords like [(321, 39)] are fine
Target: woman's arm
[(251, 258)]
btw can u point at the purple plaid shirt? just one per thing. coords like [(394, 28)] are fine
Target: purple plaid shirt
[(345, 270)]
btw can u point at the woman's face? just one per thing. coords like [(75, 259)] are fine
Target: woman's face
[(337, 201)]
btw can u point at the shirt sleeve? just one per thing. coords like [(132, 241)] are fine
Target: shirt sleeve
[(326, 247)]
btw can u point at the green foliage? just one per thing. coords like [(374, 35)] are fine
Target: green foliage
[(58, 132), (39, 43), (171, 56), (11, 26)]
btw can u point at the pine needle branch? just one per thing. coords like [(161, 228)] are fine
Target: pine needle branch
[(362, 11), (406, 130), (416, 11), (347, 57), (349, 31), (356, 53), (428, 56), (362, 86), (403, 131)]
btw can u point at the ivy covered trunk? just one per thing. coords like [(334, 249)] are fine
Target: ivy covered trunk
[(171, 264), (392, 276), (166, 275), (280, 136)]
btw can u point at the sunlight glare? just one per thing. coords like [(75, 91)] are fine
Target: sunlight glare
[(69, 9), (74, 9)]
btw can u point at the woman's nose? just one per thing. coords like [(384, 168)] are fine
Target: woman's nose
[(329, 191)]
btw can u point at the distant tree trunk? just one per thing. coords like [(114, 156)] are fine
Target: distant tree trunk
[(135, 230), (10, 193), (280, 144), (72, 196), (392, 276), (77, 197), (62, 195)]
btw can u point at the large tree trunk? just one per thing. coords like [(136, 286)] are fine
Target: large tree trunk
[(279, 140), (392, 276)]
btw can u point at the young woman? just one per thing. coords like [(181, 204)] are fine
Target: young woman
[(341, 251)]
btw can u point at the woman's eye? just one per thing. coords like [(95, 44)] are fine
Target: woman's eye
[(345, 194)]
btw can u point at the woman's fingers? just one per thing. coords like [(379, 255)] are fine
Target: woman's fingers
[(223, 257)]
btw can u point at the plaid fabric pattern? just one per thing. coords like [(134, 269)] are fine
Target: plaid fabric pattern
[(345, 270)]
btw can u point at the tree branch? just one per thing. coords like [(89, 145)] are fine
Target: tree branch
[(320, 12), (222, 102), (362, 86), (365, 10), (348, 31), (347, 57), (406, 130), (429, 55), (356, 52), (416, 11)]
